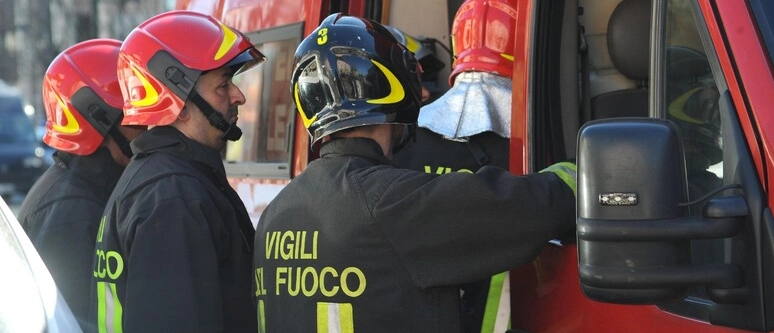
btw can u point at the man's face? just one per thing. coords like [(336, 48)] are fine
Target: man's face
[(217, 89)]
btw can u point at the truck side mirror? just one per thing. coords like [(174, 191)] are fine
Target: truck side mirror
[(634, 234)]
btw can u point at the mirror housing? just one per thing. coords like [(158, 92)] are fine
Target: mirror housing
[(634, 231)]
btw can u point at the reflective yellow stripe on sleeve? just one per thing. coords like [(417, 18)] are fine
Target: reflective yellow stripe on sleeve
[(334, 318), (109, 309), (566, 171), (497, 313)]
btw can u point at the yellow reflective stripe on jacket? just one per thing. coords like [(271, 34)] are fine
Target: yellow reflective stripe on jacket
[(497, 314), (261, 317), (334, 318), (567, 171), (109, 309)]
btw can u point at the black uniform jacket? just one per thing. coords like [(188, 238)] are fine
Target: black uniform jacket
[(432, 153), (173, 253), (355, 241), (61, 214)]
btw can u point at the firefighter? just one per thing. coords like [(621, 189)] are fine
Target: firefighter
[(430, 64), (469, 126), (173, 250), (695, 111), (693, 107), (354, 244), (61, 212)]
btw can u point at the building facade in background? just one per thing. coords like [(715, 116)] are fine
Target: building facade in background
[(33, 32)]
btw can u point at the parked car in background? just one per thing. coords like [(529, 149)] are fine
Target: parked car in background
[(21, 151), (30, 300), (40, 132)]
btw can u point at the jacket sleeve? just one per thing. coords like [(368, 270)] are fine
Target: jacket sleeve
[(64, 237), (459, 227), (172, 283)]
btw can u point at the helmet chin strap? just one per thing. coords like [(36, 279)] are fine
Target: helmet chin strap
[(121, 141), (230, 131)]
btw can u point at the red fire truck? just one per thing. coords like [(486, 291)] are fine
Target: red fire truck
[(662, 103)]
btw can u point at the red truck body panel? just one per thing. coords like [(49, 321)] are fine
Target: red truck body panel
[(749, 73)]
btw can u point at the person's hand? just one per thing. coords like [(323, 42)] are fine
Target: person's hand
[(567, 171)]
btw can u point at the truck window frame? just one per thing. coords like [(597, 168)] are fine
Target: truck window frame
[(736, 168), (263, 110)]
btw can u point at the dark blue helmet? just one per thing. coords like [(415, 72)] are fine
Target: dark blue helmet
[(352, 72)]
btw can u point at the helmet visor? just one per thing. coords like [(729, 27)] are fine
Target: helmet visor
[(246, 60), (313, 91)]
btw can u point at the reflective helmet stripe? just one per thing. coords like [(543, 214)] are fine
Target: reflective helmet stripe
[(411, 43), (229, 38), (71, 126), (307, 121), (677, 107), (396, 89), (151, 95)]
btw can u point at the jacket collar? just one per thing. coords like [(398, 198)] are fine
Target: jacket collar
[(169, 140), (360, 147), (98, 168)]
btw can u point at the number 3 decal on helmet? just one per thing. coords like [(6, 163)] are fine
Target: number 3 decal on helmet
[(322, 36)]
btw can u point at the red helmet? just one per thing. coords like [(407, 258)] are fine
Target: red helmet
[(161, 60), (82, 97), (483, 37)]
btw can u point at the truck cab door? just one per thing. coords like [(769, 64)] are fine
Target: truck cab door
[(672, 210), (675, 233)]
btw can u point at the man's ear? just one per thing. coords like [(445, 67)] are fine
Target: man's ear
[(184, 114)]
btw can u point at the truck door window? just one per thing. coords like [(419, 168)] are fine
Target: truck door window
[(690, 89), (691, 96), (764, 15), (268, 115), (690, 100)]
